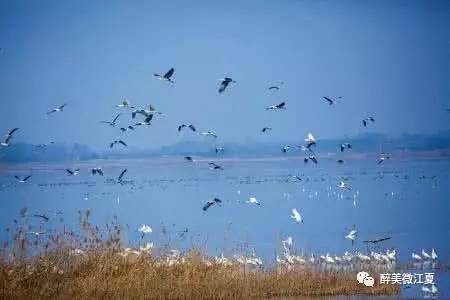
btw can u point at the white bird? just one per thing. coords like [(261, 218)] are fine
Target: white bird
[(36, 233), (209, 133), (282, 105), (113, 122), (344, 185), (145, 229), (285, 148), (147, 113), (434, 289), (383, 157), (343, 146), (253, 200), (426, 289), (296, 216), (329, 259), (416, 256), (167, 76), (125, 104), (8, 137), (287, 243), (433, 254), (425, 255), (58, 109), (352, 235), (310, 140), (22, 180)]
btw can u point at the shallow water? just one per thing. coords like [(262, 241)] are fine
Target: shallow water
[(406, 200)]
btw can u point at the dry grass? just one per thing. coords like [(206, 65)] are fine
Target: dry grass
[(104, 270)]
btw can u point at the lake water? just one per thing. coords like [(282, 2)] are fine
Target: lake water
[(407, 200)]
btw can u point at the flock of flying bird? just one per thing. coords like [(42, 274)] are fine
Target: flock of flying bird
[(150, 112)]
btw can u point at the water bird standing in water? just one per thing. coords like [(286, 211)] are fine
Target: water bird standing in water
[(224, 83), (215, 201), (8, 137), (166, 77)]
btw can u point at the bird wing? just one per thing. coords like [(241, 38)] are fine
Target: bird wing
[(52, 111), (12, 131), (62, 106), (342, 148), (121, 175), (192, 127), (169, 73), (364, 123), (181, 127), (26, 178), (223, 85), (328, 100), (17, 177), (314, 159), (123, 143), (115, 119), (100, 171), (207, 205), (148, 118), (69, 171), (217, 200), (281, 105), (274, 87), (112, 144)]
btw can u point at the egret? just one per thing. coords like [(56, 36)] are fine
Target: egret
[(113, 122), (296, 216), (57, 109), (8, 137), (282, 105), (167, 76), (22, 180)]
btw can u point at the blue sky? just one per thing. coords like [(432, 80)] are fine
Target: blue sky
[(389, 59)]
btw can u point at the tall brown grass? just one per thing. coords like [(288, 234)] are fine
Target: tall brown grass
[(101, 268)]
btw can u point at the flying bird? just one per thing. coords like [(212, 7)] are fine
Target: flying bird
[(340, 161), (209, 133), (282, 105), (331, 101), (275, 87), (344, 185), (125, 129), (311, 158), (189, 158), (113, 122), (98, 171), (191, 127), (224, 83), (58, 109), (366, 121), (166, 77), (22, 180), (118, 142), (215, 201), (266, 129), (352, 235), (296, 216), (383, 157), (8, 137), (298, 178), (37, 233), (376, 241), (214, 166), (253, 200), (72, 172), (120, 178), (45, 218), (219, 149), (310, 140), (344, 146), (285, 148), (147, 113)]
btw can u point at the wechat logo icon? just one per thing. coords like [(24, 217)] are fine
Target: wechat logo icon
[(365, 278)]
